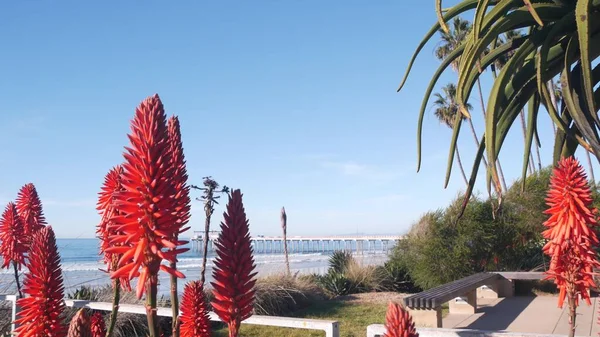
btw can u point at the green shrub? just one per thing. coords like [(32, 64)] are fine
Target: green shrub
[(339, 261), (334, 284), (441, 247), (396, 268)]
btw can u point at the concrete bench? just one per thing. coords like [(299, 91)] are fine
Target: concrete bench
[(426, 307)]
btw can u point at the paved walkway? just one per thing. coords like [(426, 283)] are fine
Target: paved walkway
[(527, 314)]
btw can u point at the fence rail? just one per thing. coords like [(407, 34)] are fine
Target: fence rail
[(331, 328)]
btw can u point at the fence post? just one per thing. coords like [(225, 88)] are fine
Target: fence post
[(15, 311), (333, 330)]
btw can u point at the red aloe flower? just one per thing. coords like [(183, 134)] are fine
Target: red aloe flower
[(147, 220), (80, 325), (97, 326), (234, 265), (194, 313), (398, 322), (571, 240), (182, 195), (12, 247), (106, 228), (29, 207), (41, 311), (182, 205)]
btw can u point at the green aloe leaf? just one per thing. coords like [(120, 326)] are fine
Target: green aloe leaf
[(571, 98), (450, 14), (440, 16), (453, 141), (479, 15), (532, 112), (583, 17), (533, 12), (445, 64), (474, 173), (514, 20)]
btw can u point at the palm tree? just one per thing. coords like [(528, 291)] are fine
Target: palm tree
[(451, 40), (445, 111)]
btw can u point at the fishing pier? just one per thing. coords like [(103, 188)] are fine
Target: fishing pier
[(309, 244)]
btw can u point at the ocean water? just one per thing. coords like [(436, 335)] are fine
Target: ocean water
[(81, 264)]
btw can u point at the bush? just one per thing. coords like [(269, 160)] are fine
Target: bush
[(441, 248), (339, 261), (334, 284), (398, 276)]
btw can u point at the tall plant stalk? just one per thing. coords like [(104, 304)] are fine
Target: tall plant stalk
[(16, 268), (210, 199), (285, 250), (151, 293), (115, 307), (182, 209)]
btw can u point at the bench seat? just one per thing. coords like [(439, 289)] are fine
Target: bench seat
[(435, 297), (426, 306)]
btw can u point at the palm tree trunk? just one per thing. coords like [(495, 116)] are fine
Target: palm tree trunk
[(537, 152), (460, 165), (285, 250), (476, 139), (589, 158), (524, 127), (499, 167)]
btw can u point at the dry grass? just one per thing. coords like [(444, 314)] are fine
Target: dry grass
[(281, 294), (364, 278)]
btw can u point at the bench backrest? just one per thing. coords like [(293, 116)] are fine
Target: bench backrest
[(435, 297)]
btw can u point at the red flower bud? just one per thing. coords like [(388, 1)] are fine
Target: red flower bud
[(29, 207), (41, 311), (80, 325), (98, 326), (107, 228), (147, 219), (398, 322), (571, 238), (234, 265), (194, 314), (13, 245)]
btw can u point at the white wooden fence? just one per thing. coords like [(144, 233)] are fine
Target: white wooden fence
[(331, 328)]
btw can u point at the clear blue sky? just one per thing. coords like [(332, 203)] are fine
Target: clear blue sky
[(294, 102)]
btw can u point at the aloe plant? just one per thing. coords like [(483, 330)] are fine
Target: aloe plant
[(561, 39)]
